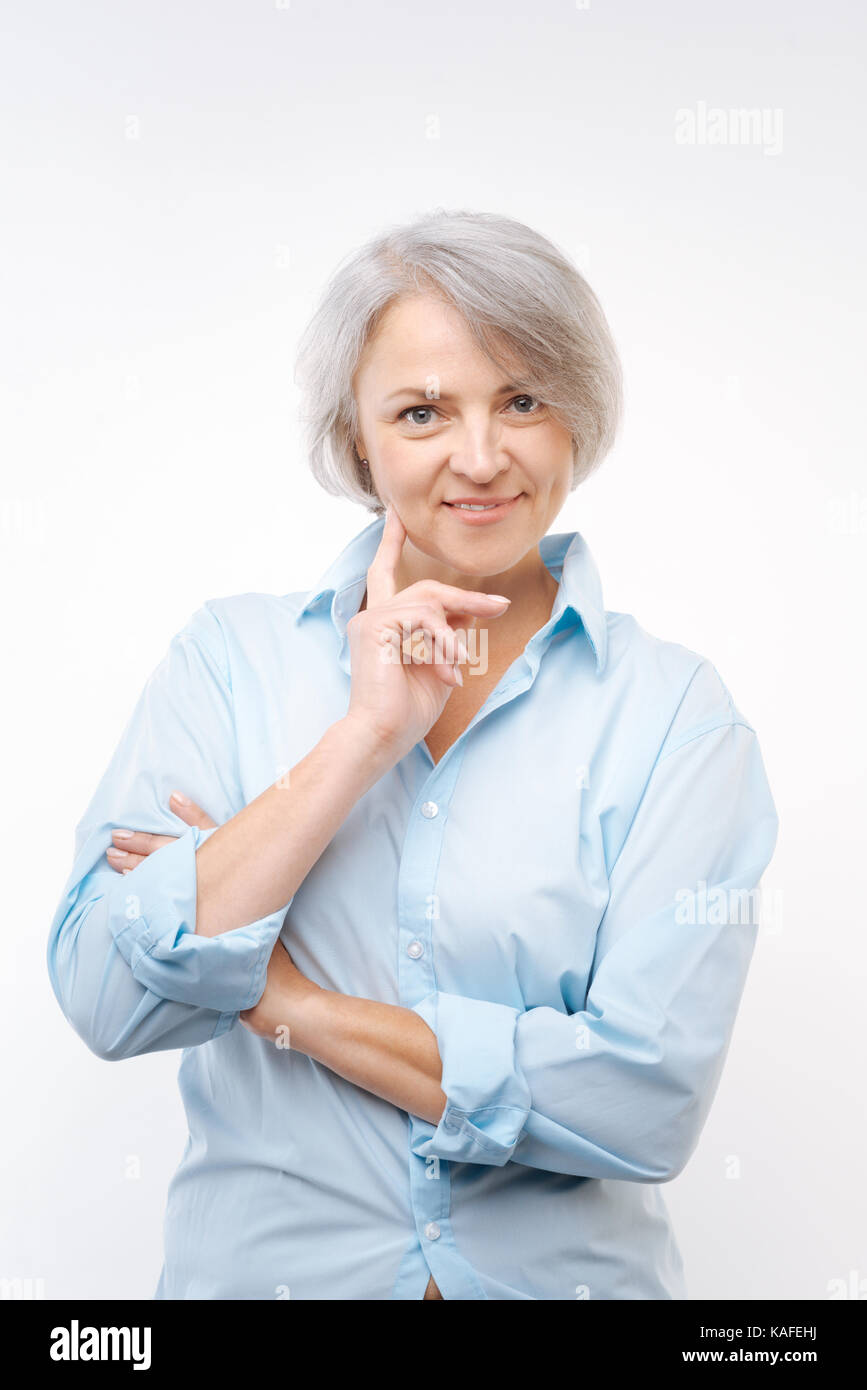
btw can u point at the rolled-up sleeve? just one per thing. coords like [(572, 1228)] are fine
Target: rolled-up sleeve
[(125, 962), (622, 1088), (152, 917)]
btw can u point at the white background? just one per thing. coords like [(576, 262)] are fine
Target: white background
[(179, 181)]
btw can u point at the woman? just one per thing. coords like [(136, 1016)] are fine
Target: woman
[(451, 926)]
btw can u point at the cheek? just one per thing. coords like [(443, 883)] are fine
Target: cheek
[(551, 469), (560, 449), (405, 468)]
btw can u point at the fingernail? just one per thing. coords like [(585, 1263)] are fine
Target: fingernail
[(458, 674), (500, 598), (116, 853), (180, 799), (123, 834)]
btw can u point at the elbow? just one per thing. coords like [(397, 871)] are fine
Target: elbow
[(111, 1052), (680, 1089), (670, 1145), (669, 1167), (83, 1017), (652, 1163), (85, 989), (92, 1031), (102, 1048), (108, 1036), (84, 1024)]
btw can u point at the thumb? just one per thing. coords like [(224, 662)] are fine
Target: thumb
[(189, 812)]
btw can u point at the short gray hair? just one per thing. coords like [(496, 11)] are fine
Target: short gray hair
[(522, 299)]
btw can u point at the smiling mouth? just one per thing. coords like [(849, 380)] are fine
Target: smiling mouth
[(482, 506)]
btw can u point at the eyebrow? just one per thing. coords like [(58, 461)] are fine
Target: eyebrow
[(444, 395)]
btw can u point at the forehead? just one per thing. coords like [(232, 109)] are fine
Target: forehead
[(421, 334), (417, 323)]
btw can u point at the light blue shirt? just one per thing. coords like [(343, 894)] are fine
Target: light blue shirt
[(569, 898)]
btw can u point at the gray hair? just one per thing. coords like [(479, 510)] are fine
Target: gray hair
[(522, 299)]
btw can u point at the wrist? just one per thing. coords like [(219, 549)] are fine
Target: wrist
[(362, 745), (307, 1012), (281, 1014)]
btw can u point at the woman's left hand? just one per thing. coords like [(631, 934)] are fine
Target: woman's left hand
[(130, 847)]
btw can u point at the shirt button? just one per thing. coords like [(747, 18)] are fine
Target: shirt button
[(429, 809), (432, 1231), (415, 949)]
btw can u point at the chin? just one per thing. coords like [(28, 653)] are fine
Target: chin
[(481, 553)]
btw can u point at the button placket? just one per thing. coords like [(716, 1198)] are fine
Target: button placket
[(417, 880), (430, 1183)]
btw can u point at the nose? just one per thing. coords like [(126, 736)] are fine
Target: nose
[(478, 453)]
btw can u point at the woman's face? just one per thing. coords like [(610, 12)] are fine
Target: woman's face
[(439, 423)]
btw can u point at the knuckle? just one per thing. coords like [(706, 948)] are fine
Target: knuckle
[(428, 589)]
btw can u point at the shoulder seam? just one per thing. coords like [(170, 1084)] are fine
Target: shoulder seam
[(223, 662), (710, 726), (223, 667)]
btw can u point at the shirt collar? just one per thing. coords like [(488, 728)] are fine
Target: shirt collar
[(566, 554)]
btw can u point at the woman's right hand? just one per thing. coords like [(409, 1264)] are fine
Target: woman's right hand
[(398, 690)]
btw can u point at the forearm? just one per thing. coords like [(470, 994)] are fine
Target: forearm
[(383, 1048), (255, 862)]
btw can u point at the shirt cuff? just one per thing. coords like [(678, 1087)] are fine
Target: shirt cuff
[(152, 917), (488, 1098)]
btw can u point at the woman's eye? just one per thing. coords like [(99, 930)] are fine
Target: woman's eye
[(411, 410), (531, 400)]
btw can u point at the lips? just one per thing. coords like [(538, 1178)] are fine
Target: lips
[(479, 511), (480, 503)]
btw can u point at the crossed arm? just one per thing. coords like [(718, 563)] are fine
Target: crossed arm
[(496, 1083), (383, 1048)]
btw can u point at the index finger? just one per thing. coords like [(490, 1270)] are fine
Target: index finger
[(382, 574)]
